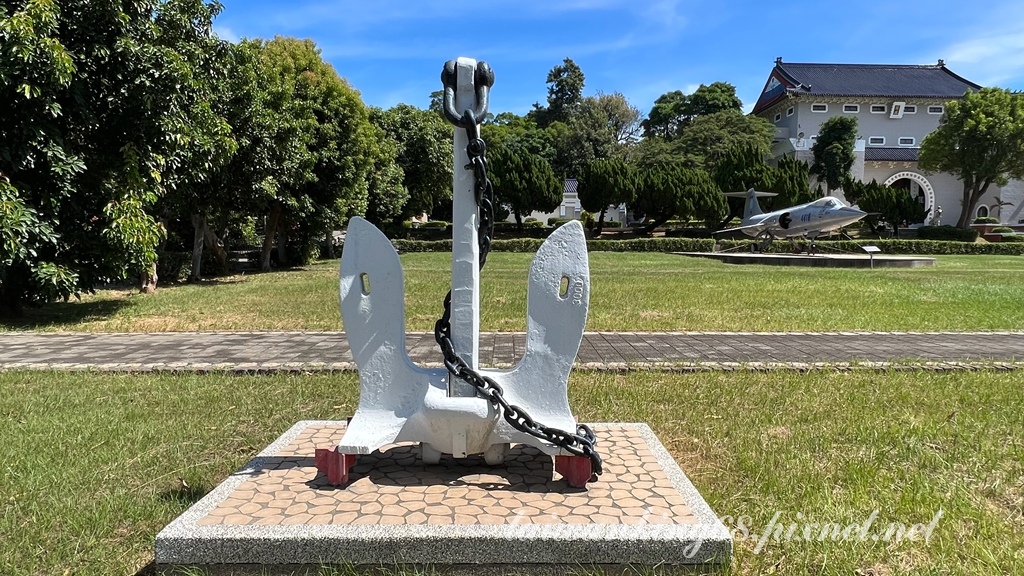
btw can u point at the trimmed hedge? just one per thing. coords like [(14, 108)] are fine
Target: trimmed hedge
[(949, 233), (1015, 248), (1001, 230)]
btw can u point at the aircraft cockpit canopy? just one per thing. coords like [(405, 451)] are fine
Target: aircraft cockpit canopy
[(829, 202)]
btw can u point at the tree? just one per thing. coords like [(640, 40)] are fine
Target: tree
[(204, 191), (621, 118), (327, 129), (523, 182), (792, 183), (386, 194), (425, 154), (833, 151), (738, 170), (565, 91), (890, 204), (603, 183), (104, 110), (708, 139), (668, 191), (673, 111), (518, 132), (980, 139)]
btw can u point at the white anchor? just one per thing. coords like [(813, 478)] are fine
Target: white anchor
[(402, 402)]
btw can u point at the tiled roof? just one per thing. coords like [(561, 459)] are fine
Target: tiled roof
[(879, 154), (570, 186), (874, 80)]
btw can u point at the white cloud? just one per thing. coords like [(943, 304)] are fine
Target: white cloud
[(990, 59), (225, 33)]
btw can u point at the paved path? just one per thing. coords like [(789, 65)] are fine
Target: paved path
[(259, 351)]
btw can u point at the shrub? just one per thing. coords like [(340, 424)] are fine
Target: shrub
[(173, 266), (588, 220), (556, 221), (951, 233), (1014, 238), (533, 224), (1002, 230), (935, 247), (531, 219), (435, 224), (985, 220)]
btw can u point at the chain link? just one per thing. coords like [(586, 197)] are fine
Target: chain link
[(580, 443)]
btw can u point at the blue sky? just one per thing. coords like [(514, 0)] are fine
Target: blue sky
[(392, 51)]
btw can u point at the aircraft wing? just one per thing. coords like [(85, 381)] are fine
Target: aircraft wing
[(740, 228)]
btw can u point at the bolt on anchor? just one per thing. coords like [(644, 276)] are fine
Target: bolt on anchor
[(463, 409)]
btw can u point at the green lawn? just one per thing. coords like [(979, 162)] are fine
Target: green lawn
[(630, 292), (91, 465)]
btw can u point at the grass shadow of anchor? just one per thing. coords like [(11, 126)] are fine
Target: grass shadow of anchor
[(526, 470)]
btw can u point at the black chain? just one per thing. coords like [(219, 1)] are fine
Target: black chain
[(580, 443)]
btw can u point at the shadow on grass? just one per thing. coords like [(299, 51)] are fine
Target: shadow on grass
[(184, 495), (63, 314)]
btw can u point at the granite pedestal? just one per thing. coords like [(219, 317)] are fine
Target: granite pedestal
[(277, 510)]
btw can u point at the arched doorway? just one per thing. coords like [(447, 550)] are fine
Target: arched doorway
[(917, 186)]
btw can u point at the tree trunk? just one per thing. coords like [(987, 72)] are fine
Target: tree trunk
[(282, 246), (519, 221), (147, 280), (213, 243), (268, 240), (600, 223), (655, 223), (198, 228), (972, 194)]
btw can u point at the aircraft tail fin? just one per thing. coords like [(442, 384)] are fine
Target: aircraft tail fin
[(752, 207)]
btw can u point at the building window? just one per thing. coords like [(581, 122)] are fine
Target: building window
[(907, 141), (936, 109), (790, 111), (778, 116), (819, 107), (910, 109), (562, 211), (878, 108), (982, 212), (897, 110), (877, 140), (851, 108)]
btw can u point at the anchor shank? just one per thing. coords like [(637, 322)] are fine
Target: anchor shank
[(465, 315)]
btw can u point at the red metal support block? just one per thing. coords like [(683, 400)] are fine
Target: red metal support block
[(334, 464), (577, 470)]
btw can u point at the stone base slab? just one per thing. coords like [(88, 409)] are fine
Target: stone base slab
[(278, 510), (817, 260)]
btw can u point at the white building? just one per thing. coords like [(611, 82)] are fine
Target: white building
[(571, 208), (896, 106)]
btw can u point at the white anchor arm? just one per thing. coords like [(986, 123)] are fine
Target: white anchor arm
[(558, 297), (372, 297), (398, 401)]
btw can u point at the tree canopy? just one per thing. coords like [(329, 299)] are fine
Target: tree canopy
[(523, 182), (673, 111), (833, 151), (425, 154), (606, 182), (668, 191), (104, 111), (980, 139)]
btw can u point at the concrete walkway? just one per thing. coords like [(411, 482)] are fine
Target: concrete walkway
[(274, 351)]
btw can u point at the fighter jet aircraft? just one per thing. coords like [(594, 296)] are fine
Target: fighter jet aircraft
[(805, 220)]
